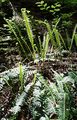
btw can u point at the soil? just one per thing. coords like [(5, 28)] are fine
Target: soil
[(9, 58)]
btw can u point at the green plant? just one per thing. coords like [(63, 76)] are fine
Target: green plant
[(69, 2), (58, 41), (32, 48), (43, 98), (43, 46), (71, 40), (54, 8), (74, 37), (2, 1), (20, 99), (11, 25), (28, 44), (21, 77), (29, 30), (54, 35), (66, 20), (47, 100)]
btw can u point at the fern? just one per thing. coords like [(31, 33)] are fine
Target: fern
[(29, 30), (46, 99), (21, 78), (21, 99), (51, 97), (73, 36)]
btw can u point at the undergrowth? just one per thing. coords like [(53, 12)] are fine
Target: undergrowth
[(47, 100), (52, 38)]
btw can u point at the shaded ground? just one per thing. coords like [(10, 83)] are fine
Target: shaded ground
[(9, 58)]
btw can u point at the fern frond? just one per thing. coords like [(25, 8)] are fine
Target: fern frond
[(21, 99), (29, 30)]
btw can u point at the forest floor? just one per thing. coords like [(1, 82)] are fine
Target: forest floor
[(9, 58), (12, 58)]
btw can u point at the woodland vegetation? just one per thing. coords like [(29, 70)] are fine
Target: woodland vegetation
[(38, 60)]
